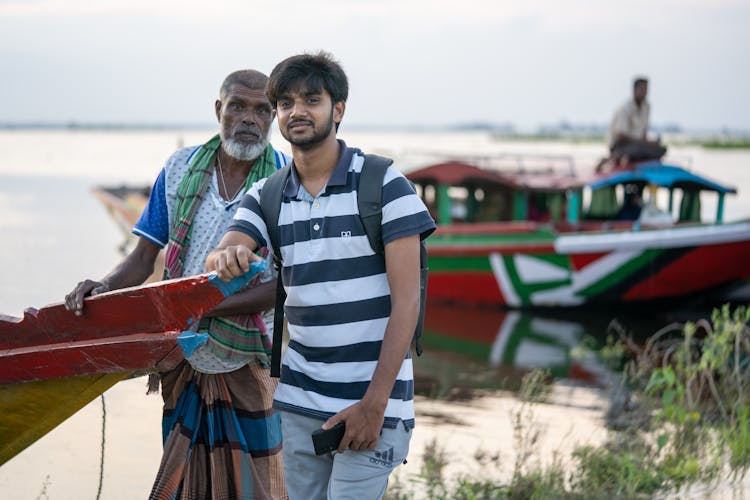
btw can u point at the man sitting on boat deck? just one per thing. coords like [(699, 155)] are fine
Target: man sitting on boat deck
[(628, 131), (222, 438)]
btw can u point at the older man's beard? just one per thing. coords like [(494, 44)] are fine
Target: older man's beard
[(244, 152)]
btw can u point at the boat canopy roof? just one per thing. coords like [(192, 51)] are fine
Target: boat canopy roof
[(461, 173), (458, 173), (532, 194), (660, 174)]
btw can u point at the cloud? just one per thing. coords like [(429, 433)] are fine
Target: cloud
[(409, 61)]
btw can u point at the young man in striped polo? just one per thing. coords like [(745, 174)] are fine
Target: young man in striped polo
[(351, 312)]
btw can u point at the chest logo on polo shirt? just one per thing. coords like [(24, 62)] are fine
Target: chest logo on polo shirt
[(346, 234)]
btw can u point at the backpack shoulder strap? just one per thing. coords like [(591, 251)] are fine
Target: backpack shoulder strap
[(270, 204), (370, 205), (370, 198)]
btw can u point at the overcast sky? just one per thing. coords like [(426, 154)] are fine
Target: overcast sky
[(410, 62)]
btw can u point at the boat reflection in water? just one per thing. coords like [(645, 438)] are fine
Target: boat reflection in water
[(470, 347)]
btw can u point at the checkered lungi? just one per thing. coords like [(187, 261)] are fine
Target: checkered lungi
[(222, 439)]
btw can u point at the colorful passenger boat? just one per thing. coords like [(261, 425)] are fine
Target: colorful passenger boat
[(550, 239)]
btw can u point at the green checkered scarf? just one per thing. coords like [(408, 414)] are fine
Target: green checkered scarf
[(236, 337), (190, 194)]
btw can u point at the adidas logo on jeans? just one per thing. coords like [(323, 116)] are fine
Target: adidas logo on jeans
[(384, 458)]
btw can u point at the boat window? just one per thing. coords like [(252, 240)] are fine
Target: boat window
[(428, 193), (603, 203), (690, 206), (651, 213), (538, 210), (632, 202), (496, 206), (460, 208)]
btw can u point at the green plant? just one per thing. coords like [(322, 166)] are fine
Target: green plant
[(701, 384), (692, 390), (616, 471), (431, 473), (737, 439)]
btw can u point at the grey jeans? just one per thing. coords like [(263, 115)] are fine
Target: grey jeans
[(360, 475)]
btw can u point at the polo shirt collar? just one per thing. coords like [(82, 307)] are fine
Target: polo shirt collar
[(338, 177)]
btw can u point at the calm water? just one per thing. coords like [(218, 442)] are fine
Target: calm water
[(54, 233)]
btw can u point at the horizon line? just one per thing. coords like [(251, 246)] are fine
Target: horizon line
[(561, 128)]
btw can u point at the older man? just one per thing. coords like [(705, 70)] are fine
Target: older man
[(222, 439)]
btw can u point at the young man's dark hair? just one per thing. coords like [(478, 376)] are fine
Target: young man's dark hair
[(311, 73), (639, 80)]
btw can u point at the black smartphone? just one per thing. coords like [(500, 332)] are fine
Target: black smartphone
[(325, 441)]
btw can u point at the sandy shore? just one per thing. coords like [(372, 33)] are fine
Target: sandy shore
[(570, 416), (65, 464)]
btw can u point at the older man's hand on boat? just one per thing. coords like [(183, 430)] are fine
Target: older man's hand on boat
[(85, 288), (231, 261)]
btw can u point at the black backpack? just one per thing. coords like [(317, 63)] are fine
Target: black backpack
[(370, 205)]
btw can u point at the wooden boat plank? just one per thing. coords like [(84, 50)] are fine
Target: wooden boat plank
[(134, 352), (157, 307), (130, 329)]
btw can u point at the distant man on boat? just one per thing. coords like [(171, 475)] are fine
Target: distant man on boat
[(222, 438), (628, 141), (351, 312)]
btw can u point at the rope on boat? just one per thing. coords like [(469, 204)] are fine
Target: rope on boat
[(101, 459)]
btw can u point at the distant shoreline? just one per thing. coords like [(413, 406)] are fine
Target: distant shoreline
[(710, 139), (106, 126)]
